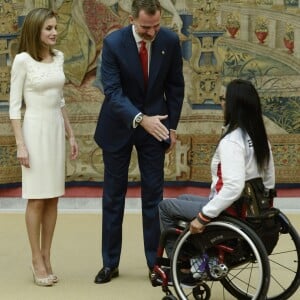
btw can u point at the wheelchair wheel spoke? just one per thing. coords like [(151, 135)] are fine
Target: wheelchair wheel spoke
[(278, 283), (247, 283), (283, 266)]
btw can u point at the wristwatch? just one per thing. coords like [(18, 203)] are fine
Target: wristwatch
[(139, 118)]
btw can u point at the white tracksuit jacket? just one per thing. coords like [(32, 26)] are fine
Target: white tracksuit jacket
[(233, 163)]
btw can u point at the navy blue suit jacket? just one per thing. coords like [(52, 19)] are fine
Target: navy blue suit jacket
[(125, 94)]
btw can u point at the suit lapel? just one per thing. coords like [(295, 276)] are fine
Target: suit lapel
[(157, 55)]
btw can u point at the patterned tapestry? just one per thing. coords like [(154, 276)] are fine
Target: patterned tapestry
[(221, 40)]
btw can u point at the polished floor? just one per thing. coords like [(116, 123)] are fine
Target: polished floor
[(76, 258)]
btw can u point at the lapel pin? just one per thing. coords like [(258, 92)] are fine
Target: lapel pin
[(163, 52)]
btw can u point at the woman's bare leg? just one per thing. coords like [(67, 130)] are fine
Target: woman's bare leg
[(48, 225), (33, 218)]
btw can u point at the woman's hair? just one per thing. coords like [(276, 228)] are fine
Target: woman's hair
[(150, 7), (30, 40), (243, 110)]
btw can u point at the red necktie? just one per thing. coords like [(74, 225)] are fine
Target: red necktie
[(144, 61)]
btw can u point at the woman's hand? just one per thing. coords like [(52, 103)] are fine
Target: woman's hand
[(196, 226), (74, 148), (23, 155)]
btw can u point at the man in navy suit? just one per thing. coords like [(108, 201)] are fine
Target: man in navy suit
[(142, 111)]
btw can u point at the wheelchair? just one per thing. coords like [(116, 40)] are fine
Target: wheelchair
[(229, 261)]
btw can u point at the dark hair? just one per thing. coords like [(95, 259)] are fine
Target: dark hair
[(243, 110), (149, 6), (30, 40)]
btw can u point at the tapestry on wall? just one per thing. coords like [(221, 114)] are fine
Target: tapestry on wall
[(221, 40)]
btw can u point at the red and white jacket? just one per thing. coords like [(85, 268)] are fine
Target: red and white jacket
[(233, 163)]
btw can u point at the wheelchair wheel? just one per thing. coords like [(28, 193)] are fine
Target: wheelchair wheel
[(228, 254), (201, 292), (285, 262)]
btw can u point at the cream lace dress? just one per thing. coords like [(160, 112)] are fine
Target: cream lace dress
[(41, 87)]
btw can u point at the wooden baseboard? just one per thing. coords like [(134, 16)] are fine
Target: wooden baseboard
[(92, 192)]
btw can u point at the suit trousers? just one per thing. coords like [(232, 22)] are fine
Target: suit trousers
[(151, 155)]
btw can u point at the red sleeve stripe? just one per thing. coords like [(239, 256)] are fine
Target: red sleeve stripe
[(203, 218)]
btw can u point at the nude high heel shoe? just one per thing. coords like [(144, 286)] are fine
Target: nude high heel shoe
[(45, 281), (54, 278)]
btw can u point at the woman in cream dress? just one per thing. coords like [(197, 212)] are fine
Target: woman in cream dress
[(37, 77)]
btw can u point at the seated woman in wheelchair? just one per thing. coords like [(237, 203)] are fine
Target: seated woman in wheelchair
[(243, 153)]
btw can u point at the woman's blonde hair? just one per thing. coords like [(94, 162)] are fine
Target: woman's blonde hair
[(30, 40)]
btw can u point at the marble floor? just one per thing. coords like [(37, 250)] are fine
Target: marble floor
[(90, 205), (76, 253)]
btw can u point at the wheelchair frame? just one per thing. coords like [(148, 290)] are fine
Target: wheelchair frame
[(267, 268)]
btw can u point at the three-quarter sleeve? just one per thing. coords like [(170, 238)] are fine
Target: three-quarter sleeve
[(61, 58), (62, 102), (18, 76), (62, 99)]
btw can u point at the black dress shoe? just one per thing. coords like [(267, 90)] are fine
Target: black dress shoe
[(106, 274)]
